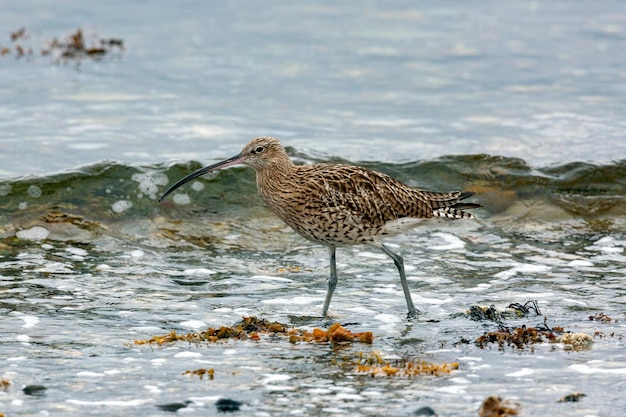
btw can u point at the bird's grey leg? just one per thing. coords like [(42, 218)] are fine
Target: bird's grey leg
[(397, 259), (332, 280)]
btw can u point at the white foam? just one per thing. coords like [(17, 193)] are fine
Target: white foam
[(269, 278), (572, 301), (149, 182), (193, 324), (452, 389), (521, 372), (197, 186), (153, 389), (299, 300), (388, 318), (343, 396), (24, 338), (188, 355), (207, 399), (586, 369), (181, 199), (90, 374), (272, 378), (452, 242), (121, 206), (76, 251), (34, 233), (608, 244), (605, 240), (319, 391), (522, 268), (29, 321), (113, 403), (199, 271), (580, 263)]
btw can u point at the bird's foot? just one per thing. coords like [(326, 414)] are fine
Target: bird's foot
[(412, 315)]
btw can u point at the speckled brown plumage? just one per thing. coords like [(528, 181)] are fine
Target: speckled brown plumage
[(338, 205)]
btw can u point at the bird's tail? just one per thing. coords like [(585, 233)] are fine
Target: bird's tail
[(451, 205)]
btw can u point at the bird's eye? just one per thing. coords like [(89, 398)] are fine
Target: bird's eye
[(258, 149)]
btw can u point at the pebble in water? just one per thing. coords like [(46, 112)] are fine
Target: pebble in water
[(34, 233), (34, 390), (424, 411), (226, 404), (173, 407)]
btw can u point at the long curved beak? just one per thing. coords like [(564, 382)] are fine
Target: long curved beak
[(237, 159)]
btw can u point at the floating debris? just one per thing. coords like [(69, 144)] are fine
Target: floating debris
[(481, 313), (576, 341), (602, 335), (248, 328), (519, 337), (522, 337), (601, 317), (4, 383), (210, 373), (252, 327), (292, 269), (497, 407), (335, 334), (19, 34), (525, 308), (74, 47), (375, 365), (571, 398), (495, 314)]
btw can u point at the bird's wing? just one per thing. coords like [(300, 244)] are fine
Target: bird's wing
[(366, 196)]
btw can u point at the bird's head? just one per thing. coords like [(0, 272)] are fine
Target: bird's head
[(262, 154)]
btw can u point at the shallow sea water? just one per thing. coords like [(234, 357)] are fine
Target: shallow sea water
[(521, 104)]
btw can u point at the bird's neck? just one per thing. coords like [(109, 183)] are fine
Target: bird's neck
[(273, 179)]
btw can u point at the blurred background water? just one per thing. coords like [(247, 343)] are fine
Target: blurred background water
[(522, 103)]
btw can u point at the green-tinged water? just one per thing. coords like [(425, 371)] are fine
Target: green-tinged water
[(109, 193), (90, 262)]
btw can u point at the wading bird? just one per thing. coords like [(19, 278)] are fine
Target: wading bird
[(339, 205)]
